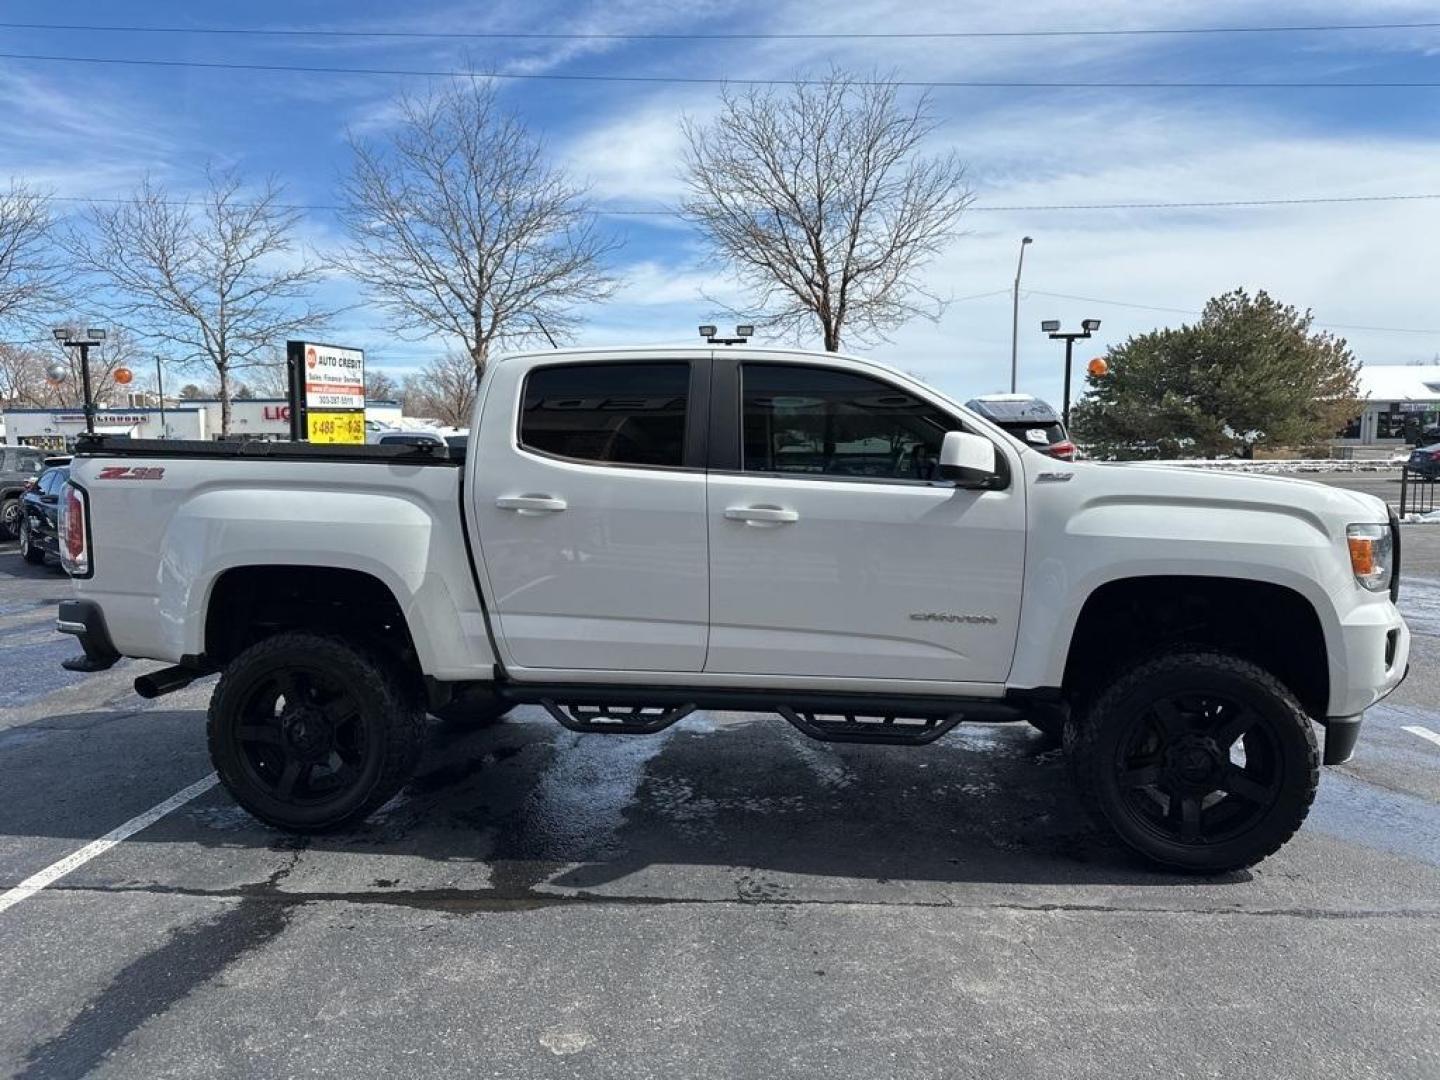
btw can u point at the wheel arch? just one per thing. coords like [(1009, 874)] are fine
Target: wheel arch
[(1270, 624), (246, 604)]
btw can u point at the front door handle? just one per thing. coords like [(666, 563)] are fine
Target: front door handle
[(531, 504), (761, 515)]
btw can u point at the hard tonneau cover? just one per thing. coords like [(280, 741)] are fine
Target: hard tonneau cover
[(110, 447)]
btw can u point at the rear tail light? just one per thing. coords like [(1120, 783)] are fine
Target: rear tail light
[(32, 484), (74, 532), (1065, 451), (1435, 455)]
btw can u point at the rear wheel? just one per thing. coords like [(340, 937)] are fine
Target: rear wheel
[(28, 549), (1198, 760), (309, 732)]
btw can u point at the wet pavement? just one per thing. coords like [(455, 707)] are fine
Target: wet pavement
[(725, 898)]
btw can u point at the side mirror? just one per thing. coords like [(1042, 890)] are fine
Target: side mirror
[(967, 459)]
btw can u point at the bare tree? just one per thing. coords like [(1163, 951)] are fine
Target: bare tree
[(380, 385), (444, 390), (22, 376), (219, 283), (819, 198), (32, 280), (460, 227)]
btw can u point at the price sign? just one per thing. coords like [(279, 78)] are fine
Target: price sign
[(346, 427), (327, 392)]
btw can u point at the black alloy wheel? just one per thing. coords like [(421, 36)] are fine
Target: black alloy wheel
[(10, 512), (309, 732), (1198, 760), (1199, 767)]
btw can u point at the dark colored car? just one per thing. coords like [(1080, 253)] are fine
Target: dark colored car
[(18, 466), (1425, 461), (1034, 422), (39, 516)]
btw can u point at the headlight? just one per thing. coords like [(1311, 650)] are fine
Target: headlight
[(1372, 556)]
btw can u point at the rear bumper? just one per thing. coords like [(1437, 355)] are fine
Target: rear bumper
[(85, 620)]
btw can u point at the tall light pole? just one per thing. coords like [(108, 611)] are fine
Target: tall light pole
[(1052, 327), (160, 382), (83, 342), (1015, 316)]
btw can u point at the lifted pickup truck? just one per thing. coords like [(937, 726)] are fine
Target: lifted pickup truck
[(636, 533)]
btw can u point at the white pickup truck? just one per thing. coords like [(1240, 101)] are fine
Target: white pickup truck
[(635, 533)]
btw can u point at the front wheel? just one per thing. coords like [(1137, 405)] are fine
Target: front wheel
[(1198, 760), (309, 733), (10, 519)]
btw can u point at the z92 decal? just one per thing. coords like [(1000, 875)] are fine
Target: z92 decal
[(124, 472)]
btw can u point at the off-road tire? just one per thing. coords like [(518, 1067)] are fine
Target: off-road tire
[(1096, 743), (390, 715)]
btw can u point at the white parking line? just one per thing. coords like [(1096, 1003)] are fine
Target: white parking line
[(55, 871), (1423, 732)]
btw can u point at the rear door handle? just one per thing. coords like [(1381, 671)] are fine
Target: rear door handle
[(531, 504), (761, 515)]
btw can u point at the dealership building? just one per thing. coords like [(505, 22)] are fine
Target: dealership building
[(199, 418), (1401, 401)]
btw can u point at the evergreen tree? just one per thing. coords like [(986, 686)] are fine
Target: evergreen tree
[(1249, 374)]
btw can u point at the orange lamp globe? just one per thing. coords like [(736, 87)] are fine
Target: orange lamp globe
[(124, 376), (1098, 367)]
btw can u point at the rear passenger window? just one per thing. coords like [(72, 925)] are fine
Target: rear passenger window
[(620, 414)]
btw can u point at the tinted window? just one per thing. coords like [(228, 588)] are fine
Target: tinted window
[(626, 414), (31, 460), (53, 480), (825, 422)]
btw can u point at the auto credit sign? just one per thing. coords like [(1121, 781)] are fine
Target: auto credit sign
[(327, 392)]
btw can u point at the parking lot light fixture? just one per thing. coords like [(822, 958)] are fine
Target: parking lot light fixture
[(92, 337), (1052, 327)]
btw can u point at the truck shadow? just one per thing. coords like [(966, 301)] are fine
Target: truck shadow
[(748, 794)]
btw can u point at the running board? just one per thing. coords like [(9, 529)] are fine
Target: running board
[(874, 728), (834, 716), (616, 719)]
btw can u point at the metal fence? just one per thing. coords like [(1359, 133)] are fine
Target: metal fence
[(1417, 492)]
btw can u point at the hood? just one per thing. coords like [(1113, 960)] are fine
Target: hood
[(1179, 483)]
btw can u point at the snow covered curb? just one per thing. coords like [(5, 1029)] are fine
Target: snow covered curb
[(1432, 518), (1279, 468)]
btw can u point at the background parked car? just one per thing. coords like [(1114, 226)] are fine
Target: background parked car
[(18, 466), (1425, 461), (1034, 422), (39, 513)]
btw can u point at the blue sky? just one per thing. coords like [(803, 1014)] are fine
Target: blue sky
[(88, 130)]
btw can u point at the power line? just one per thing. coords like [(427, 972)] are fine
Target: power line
[(714, 80), (1189, 311), (1318, 200), (522, 35)]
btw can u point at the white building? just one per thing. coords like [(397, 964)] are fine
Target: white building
[(252, 418), (1401, 401)]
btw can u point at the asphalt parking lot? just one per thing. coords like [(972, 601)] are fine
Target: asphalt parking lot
[(723, 899)]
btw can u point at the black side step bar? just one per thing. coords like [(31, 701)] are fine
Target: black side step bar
[(877, 728), (911, 720), (616, 719)]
